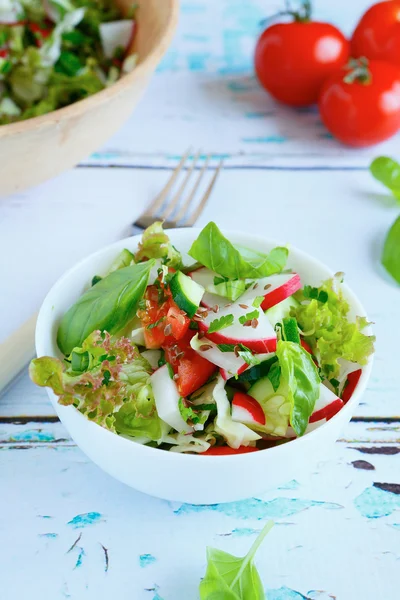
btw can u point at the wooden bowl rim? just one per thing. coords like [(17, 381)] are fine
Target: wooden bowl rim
[(81, 106)]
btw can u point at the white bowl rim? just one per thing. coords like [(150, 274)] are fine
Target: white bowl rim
[(42, 335), (81, 106)]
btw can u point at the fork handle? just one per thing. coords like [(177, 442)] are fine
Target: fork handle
[(16, 351)]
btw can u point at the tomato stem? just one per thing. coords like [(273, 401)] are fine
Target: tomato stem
[(358, 71), (301, 15)]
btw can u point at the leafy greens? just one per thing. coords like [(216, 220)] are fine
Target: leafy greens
[(214, 251), (231, 578)]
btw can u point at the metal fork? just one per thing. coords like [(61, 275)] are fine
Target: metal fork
[(17, 350), (175, 211)]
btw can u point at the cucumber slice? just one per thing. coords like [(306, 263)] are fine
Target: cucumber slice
[(281, 310), (262, 390), (186, 293)]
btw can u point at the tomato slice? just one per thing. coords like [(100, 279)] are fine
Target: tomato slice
[(162, 319), (225, 450), (192, 369)]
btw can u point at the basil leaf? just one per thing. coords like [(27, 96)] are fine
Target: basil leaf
[(300, 375), (391, 251), (221, 323), (387, 171), (217, 253), (107, 306), (274, 375), (232, 578)]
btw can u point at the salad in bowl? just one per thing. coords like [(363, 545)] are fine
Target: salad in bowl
[(206, 350)]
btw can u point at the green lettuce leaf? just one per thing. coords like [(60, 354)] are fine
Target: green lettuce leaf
[(217, 253), (327, 329), (232, 578), (300, 377), (391, 251), (387, 171), (113, 387), (109, 306), (156, 244)]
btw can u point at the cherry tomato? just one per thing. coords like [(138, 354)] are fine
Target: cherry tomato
[(225, 450), (377, 35), (362, 106), (292, 60), (192, 369)]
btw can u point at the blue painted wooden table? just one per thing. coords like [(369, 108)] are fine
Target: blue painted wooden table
[(68, 530)]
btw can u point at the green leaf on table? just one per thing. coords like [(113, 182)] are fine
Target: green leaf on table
[(214, 251), (391, 251), (232, 578), (221, 323), (107, 306), (387, 171)]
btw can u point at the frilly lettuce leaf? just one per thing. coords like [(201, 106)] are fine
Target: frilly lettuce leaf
[(112, 388), (156, 244), (327, 329)]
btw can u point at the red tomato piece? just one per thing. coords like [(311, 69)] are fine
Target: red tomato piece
[(377, 35), (192, 369), (225, 450), (362, 107), (352, 380), (170, 322), (292, 60), (178, 320)]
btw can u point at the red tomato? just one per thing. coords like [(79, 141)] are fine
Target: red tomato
[(192, 369), (292, 60), (362, 107), (224, 450), (171, 322), (377, 35)]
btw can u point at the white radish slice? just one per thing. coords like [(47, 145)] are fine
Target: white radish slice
[(227, 361), (115, 34), (246, 409), (326, 407), (166, 397), (137, 336), (259, 339), (281, 287)]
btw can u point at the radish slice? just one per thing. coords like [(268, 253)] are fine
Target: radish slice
[(166, 397), (350, 386), (229, 363), (261, 338), (326, 407), (116, 34), (282, 285), (246, 409)]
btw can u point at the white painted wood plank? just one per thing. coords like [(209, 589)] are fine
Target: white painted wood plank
[(337, 532), (204, 93), (339, 217)]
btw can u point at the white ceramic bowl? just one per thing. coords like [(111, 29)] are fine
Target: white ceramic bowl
[(185, 477)]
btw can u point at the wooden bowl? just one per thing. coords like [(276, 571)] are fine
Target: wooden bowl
[(37, 149)]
